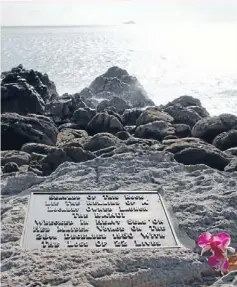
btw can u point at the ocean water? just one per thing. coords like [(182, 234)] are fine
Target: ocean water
[(168, 60)]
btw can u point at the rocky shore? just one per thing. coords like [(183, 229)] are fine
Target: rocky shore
[(111, 136), (40, 129)]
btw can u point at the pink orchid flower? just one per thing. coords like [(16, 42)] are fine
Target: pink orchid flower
[(217, 244), (220, 263)]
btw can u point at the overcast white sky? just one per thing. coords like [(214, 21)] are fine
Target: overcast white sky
[(86, 12)]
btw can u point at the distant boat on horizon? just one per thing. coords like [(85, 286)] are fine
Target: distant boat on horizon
[(129, 22)]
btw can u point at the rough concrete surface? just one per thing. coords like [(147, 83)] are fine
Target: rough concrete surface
[(202, 199)]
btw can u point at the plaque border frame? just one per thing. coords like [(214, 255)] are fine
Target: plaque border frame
[(179, 245)]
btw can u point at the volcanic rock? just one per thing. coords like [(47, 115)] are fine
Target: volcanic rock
[(102, 122), (151, 115), (72, 137), (20, 98), (209, 128), (119, 104), (203, 113), (183, 115), (182, 130), (10, 167), (40, 82), (37, 148), (19, 157), (16, 130), (202, 155), (123, 135), (60, 110), (101, 141), (130, 116), (118, 83), (83, 116), (185, 101), (226, 140), (156, 130)]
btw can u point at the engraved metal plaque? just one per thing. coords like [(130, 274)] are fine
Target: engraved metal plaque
[(98, 220)]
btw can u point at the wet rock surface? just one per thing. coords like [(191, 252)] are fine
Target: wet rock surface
[(16, 130), (117, 82)]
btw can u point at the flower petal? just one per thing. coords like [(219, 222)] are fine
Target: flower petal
[(225, 265), (205, 249), (205, 239), (231, 249), (224, 238), (214, 261), (219, 252)]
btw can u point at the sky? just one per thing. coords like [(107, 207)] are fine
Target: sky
[(92, 12)]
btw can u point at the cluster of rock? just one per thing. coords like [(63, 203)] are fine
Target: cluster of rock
[(40, 130)]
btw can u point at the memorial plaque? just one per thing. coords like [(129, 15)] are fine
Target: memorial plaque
[(97, 220)]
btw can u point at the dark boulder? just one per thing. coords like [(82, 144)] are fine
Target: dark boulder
[(156, 130), (70, 137), (191, 151), (10, 167), (63, 108), (176, 145), (197, 155), (103, 105), (119, 104), (40, 82), (226, 140), (77, 154), (111, 112), (45, 165), (19, 157), (123, 135), (208, 128), (117, 82), (87, 97), (101, 141), (37, 157), (130, 116), (53, 160), (75, 99), (151, 115), (37, 148), (16, 130), (36, 168), (182, 130), (182, 115), (20, 98), (203, 113), (82, 117), (102, 122), (60, 110), (130, 129), (185, 101)]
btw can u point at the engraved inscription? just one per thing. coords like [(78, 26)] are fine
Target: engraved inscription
[(97, 220)]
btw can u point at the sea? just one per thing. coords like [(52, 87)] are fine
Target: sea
[(169, 60)]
